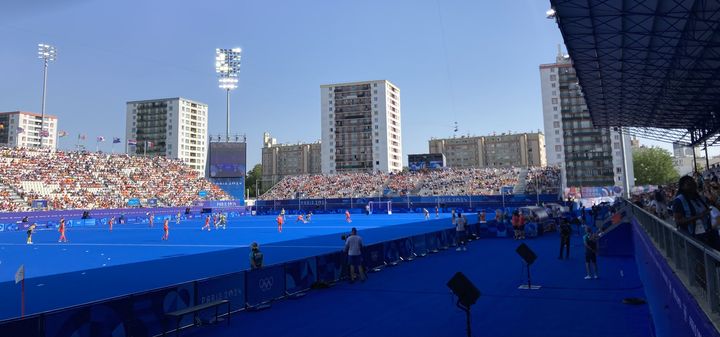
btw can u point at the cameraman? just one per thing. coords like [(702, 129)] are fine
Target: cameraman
[(353, 247), (256, 256)]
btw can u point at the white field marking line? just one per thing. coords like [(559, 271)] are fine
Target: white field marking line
[(125, 245)]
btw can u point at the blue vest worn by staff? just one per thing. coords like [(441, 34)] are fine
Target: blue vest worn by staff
[(690, 210)]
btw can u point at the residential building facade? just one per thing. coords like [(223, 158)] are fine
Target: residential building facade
[(22, 129), (504, 150), (361, 127), (170, 127), (588, 156), (284, 160)]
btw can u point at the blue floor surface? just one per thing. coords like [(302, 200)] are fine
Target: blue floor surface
[(412, 300), (97, 264)]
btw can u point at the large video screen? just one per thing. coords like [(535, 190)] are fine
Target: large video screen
[(430, 161), (227, 160)]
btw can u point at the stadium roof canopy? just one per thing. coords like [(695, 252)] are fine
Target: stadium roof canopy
[(652, 66)]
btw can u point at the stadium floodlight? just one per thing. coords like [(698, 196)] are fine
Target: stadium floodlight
[(46, 53), (550, 14), (227, 66)]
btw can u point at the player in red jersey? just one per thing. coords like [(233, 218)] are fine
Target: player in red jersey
[(300, 218), (347, 216), (207, 224), (111, 222), (166, 229), (61, 229), (280, 221)]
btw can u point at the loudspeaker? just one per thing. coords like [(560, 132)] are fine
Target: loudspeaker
[(526, 253), (463, 289)]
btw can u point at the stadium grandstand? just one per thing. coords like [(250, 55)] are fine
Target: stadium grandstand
[(445, 182), (89, 180)]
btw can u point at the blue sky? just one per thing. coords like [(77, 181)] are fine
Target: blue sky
[(474, 62)]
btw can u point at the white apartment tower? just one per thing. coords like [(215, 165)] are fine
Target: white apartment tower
[(587, 156), (22, 129), (361, 127), (170, 127)]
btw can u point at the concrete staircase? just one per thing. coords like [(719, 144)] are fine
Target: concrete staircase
[(520, 187), (12, 194)]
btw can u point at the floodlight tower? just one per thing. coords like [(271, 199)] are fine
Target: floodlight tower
[(46, 53), (227, 66)]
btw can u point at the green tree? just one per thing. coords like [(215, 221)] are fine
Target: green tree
[(653, 166), (252, 180)]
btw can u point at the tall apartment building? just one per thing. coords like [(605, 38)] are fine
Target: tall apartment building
[(171, 127), (361, 127), (588, 156), (22, 129), (505, 150), (283, 160)]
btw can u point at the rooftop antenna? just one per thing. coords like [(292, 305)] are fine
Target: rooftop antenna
[(456, 127)]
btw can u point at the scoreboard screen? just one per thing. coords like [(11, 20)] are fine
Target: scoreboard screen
[(428, 161), (227, 160)]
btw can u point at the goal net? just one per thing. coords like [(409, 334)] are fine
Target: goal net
[(380, 207)]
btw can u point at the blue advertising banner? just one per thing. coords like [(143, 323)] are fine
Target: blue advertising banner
[(419, 244), (300, 275), (104, 319), (39, 204), (433, 241), (138, 315), (392, 251), (202, 194), (674, 310), (330, 267), (133, 202), (406, 248), (374, 256), (226, 287), (265, 284), (152, 202)]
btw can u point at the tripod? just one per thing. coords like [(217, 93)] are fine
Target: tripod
[(466, 309)]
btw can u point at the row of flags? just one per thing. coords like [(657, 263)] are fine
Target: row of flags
[(99, 139)]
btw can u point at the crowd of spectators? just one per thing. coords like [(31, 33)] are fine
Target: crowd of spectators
[(472, 181), (344, 185), (543, 180), (448, 181), (404, 183), (87, 180)]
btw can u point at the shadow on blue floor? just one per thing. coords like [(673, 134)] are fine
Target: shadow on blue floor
[(412, 299)]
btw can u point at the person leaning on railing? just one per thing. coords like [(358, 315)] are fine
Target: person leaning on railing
[(692, 212)]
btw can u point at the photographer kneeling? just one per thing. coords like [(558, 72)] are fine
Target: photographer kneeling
[(353, 247)]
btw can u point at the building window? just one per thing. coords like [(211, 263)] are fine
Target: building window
[(556, 124), (554, 108), (553, 77), (553, 84), (554, 101), (554, 93)]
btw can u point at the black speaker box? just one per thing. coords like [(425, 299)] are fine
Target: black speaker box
[(463, 289), (526, 253)]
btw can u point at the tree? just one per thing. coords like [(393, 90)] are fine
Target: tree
[(653, 166), (252, 180)]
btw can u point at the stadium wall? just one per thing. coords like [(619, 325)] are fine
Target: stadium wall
[(143, 313), (403, 204), (98, 217), (673, 308)]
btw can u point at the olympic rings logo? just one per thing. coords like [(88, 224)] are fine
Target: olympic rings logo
[(265, 284)]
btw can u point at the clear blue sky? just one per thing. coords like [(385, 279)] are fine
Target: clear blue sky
[(474, 62)]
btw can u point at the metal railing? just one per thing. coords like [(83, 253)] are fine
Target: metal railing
[(696, 264)]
